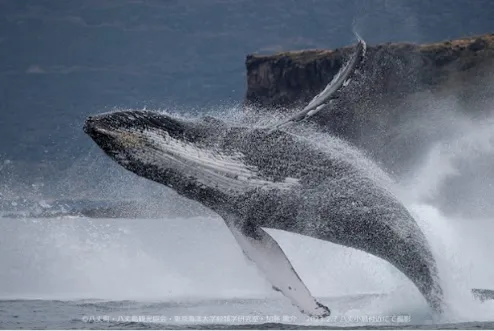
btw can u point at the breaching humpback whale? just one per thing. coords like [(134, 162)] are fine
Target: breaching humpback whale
[(257, 178)]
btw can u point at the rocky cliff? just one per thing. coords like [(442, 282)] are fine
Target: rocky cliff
[(425, 109), (398, 103)]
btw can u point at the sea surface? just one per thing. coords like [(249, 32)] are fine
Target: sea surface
[(205, 314), (70, 271), (143, 257), (137, 255)]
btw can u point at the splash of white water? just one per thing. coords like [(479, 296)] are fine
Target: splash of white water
[(198, 258)]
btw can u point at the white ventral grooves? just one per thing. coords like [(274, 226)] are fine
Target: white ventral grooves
[(226, 172)]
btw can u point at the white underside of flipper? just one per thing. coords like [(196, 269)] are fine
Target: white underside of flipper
[(268, 256), (323, 99)]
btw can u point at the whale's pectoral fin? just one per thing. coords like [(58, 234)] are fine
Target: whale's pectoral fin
[(342, 78), (265, 252)]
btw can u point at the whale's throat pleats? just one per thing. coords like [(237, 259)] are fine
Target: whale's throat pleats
[(226, 172)]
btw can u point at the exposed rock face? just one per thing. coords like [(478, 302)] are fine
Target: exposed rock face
[(288, 78), (400, 84), (412, 105)]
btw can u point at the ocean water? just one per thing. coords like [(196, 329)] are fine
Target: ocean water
[(73, 271), (98, 249), (180, 267)]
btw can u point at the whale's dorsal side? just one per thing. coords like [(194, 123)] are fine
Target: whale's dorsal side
[(259, 247)]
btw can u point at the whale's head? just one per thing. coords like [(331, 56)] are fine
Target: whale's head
[(184, 155), (131, 136)]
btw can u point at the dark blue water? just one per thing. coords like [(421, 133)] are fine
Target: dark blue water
[(62, 61)]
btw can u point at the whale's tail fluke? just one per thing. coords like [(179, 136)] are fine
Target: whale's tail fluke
[(332, 90)]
